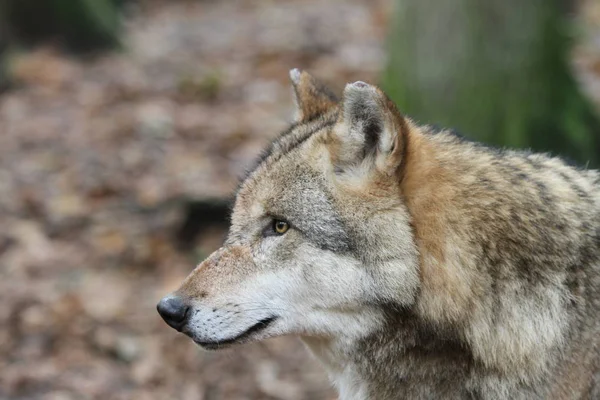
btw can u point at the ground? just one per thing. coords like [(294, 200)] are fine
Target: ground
[(100, 160)]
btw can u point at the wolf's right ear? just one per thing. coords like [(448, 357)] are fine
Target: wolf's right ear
[(312, 97)]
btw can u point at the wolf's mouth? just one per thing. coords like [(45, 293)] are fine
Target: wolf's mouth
[(259, 326)]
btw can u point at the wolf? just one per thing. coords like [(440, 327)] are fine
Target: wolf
[(413, 263)]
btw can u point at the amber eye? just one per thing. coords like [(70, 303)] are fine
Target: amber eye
[(280, 227)]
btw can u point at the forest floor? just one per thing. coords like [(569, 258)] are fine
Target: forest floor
[(100, 160)]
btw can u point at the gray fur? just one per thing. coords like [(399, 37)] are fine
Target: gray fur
[(418, 265)]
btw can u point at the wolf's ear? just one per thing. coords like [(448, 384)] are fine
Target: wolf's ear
[(370, 130), (312, 97)]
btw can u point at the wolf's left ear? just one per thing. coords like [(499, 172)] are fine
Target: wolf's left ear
[(370, 131), (312, 97)]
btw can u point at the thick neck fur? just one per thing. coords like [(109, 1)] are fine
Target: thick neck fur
[(403, 359), (500, 290)]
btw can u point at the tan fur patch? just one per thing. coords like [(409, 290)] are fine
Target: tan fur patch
[(428, 189)]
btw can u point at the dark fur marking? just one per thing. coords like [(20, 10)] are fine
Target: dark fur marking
[(266, 153), (334, 236), (372, 130), (278, 148), (543, 192), (575, 187)]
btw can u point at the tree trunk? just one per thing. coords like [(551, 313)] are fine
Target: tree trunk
[(496, 70)]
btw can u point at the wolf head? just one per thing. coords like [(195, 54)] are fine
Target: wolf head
[(319, 236)]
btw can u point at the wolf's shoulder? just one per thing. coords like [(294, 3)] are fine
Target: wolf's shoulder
[(517, 167)]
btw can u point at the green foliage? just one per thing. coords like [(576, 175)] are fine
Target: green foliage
[(499, 73), (81, 25), (3, 47)]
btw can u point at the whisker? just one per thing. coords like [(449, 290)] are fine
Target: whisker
[(260, 308)]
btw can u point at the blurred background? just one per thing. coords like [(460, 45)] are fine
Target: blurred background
[(126, 124)]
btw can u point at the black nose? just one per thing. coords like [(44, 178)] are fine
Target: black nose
[(174, 311)]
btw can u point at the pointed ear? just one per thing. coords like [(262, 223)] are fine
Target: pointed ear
[(312, 97), (370, 129)]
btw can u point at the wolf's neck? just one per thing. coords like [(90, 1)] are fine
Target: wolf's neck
[(336, 355), (431, 185), (401, 357)]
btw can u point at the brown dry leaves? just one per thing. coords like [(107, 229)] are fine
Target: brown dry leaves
[(97, 158)]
